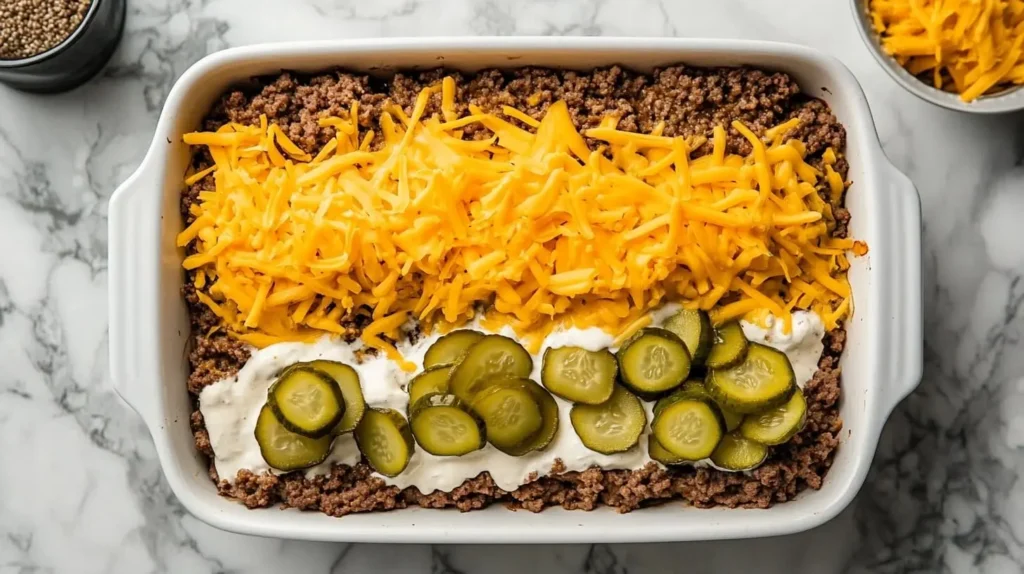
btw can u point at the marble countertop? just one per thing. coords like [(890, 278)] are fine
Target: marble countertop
[(81, 490)]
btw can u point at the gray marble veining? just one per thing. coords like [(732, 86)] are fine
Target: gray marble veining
[(80, 490)]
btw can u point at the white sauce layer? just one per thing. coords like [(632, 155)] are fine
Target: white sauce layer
[(803, 344), (230, 407)]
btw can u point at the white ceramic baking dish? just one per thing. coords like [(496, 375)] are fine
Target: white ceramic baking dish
[(149, 325)]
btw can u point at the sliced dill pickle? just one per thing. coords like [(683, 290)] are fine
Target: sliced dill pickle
[(661, 454), (694, 388), (579, 375), (384, 438), (510, 413), (655, 362), (306, 401), (286, 450), (610, 427), (732, 419), (693, 326), (689, 428), (432, 380), (351, 391), (728, 348), (737, 453), (445, 426), (691, 389), (492, 356), (449, 349), (548, 428), (763, 380), (777, 425)]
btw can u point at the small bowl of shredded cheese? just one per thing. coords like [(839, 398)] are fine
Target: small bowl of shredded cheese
[(965, 55)]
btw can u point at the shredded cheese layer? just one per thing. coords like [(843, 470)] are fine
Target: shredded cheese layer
[(530, 225), (972, 47)]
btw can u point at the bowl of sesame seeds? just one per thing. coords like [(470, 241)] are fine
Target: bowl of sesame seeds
[(57, 45)]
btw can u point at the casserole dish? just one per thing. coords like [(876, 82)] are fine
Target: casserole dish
[(149, 324)]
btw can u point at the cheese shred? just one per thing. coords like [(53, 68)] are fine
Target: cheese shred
[(532, 228), (972, 47)]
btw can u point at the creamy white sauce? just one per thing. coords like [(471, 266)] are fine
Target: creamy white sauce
[(230, 407), (803, 344)]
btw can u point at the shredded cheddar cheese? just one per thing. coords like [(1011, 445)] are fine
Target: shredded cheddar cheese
[(530, 226), (972, 47)]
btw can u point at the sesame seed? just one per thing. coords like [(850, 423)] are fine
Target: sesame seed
[(30, 27)]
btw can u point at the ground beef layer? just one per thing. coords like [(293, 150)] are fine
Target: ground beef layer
[(691, 101)]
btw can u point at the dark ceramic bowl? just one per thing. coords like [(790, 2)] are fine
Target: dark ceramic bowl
[(75, 60)]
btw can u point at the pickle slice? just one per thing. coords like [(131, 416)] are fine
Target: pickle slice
[(728, 348), (449, 349), (492, 356), (732, 419), (610, 427), (445, 426), (384, 438), (548, 428), (306, 401), (689, 428), (694, 388), (661, 454), (432, 380), (691, 389), (693, 326), (655, 362), (510, 413), (579, 375), (777, 425), (737, 453), (351, 391), (763, 380), (286, 450)]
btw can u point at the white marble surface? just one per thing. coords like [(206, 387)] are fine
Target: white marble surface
[(81, 491)]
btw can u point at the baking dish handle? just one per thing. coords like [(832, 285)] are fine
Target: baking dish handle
[(906, 364), (128, 269)]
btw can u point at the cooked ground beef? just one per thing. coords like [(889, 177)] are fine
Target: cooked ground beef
[(690, 101)]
